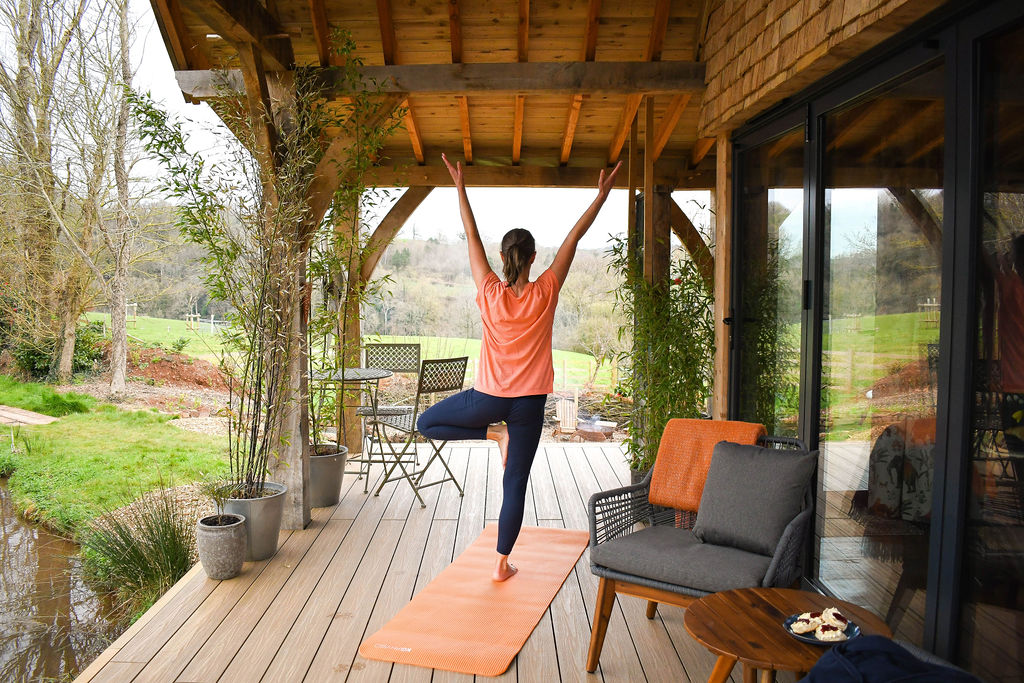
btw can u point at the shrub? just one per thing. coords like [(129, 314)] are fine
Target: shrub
[(139, 551), (35, 359), (7, 464), (179, 344)]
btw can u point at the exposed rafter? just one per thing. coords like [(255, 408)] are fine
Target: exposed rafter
[(523, 34), (241, 22), (321, 31), (570, 128), (517, 128), (505, 78), (700, 150), (576, 103), (655, 41), (455, 28), (467, 139), (184, 50), (389, 48), (669, 122), (901, 126)]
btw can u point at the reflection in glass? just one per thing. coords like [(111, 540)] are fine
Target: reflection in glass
[(880, 330), (770, 251), (992, 621)]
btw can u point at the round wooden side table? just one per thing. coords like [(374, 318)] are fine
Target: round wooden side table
[(745, 626)]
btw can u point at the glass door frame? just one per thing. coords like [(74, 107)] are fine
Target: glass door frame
[(951, 34)]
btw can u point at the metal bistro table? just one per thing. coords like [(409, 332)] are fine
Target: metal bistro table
[(370, 379)]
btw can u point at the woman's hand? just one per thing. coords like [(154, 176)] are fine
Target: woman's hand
[(456, 172), (604, 184)]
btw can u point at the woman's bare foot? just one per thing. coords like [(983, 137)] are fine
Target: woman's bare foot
[(503, 570), (499, 433)]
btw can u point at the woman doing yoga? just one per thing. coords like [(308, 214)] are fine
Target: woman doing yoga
[(515, 372)]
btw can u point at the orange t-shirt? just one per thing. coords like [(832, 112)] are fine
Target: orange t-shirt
[(515, 356)]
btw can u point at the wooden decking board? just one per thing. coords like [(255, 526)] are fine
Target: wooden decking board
[(398, 585), (450, 503), (620, 660), (254, 656), (303, 639), (658, 654), (364, 559), (333, 657), (17, 416), (216, 652)]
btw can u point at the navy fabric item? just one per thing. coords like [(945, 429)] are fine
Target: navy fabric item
[(466, 415), (875, 659)]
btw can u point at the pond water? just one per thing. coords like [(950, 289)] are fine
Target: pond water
[(51, 624)]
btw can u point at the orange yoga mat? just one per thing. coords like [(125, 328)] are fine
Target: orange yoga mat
[(464, 622)]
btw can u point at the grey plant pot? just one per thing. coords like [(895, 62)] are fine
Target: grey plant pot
[(263, 521), (326, 468), (221, 548)]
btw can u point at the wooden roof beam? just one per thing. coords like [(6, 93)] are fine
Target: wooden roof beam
[(504, 78), (700, 150), (526, 175), (903, 123), (389, 48), (517, 128), (467, 140), (523, 34), (389, 227), (185, 51), (321, 31), (242, 21), (655, 42), (694, 244), (570, 128), (669, 122), (576, 103)]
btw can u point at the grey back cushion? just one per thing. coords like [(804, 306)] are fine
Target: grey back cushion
[(751, 494)]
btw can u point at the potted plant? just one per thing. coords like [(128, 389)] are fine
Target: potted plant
[(668, 371), (221, 543)]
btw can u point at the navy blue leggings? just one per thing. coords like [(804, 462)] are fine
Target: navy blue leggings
[(466, 416)]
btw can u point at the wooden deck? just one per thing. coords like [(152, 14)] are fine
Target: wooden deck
[(302, 614)]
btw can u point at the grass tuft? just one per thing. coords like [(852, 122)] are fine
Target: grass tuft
[(40, 398), (140, 551)]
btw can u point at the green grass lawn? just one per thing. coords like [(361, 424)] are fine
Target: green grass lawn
[(67, 472), (202, 344), (165, 331), (40, 398), (575, 366)]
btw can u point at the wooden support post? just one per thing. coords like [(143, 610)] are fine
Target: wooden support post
[(632, 178), (656, 211), (723, 268)]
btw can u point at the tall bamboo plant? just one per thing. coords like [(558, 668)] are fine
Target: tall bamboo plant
[(668, 367), (342, 245)]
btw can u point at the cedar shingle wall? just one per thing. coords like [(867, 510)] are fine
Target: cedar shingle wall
[(759, 51)]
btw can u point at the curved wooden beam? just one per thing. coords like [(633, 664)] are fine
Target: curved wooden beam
[(694, 244), (389, 227), (920, 215)]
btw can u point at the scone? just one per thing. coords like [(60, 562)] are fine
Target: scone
[(834, 617), (802, 625), (827, 633)]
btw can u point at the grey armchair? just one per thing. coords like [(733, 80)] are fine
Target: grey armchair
[(749, 530)]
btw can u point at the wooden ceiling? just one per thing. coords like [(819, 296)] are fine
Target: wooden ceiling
[(542, 92)]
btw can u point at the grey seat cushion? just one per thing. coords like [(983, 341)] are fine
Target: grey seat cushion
[(751, 494), (675, 556)]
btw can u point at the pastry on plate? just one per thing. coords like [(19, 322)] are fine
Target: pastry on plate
[(803, 625), (834, 617), (827, 633)]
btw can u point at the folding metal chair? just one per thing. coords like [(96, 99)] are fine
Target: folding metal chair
[(436, 376), (398, 358)]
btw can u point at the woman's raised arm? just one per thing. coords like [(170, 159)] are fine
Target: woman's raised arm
[(566, 252), (477, 257)]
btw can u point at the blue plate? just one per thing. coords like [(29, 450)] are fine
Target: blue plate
[(852, 631)]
